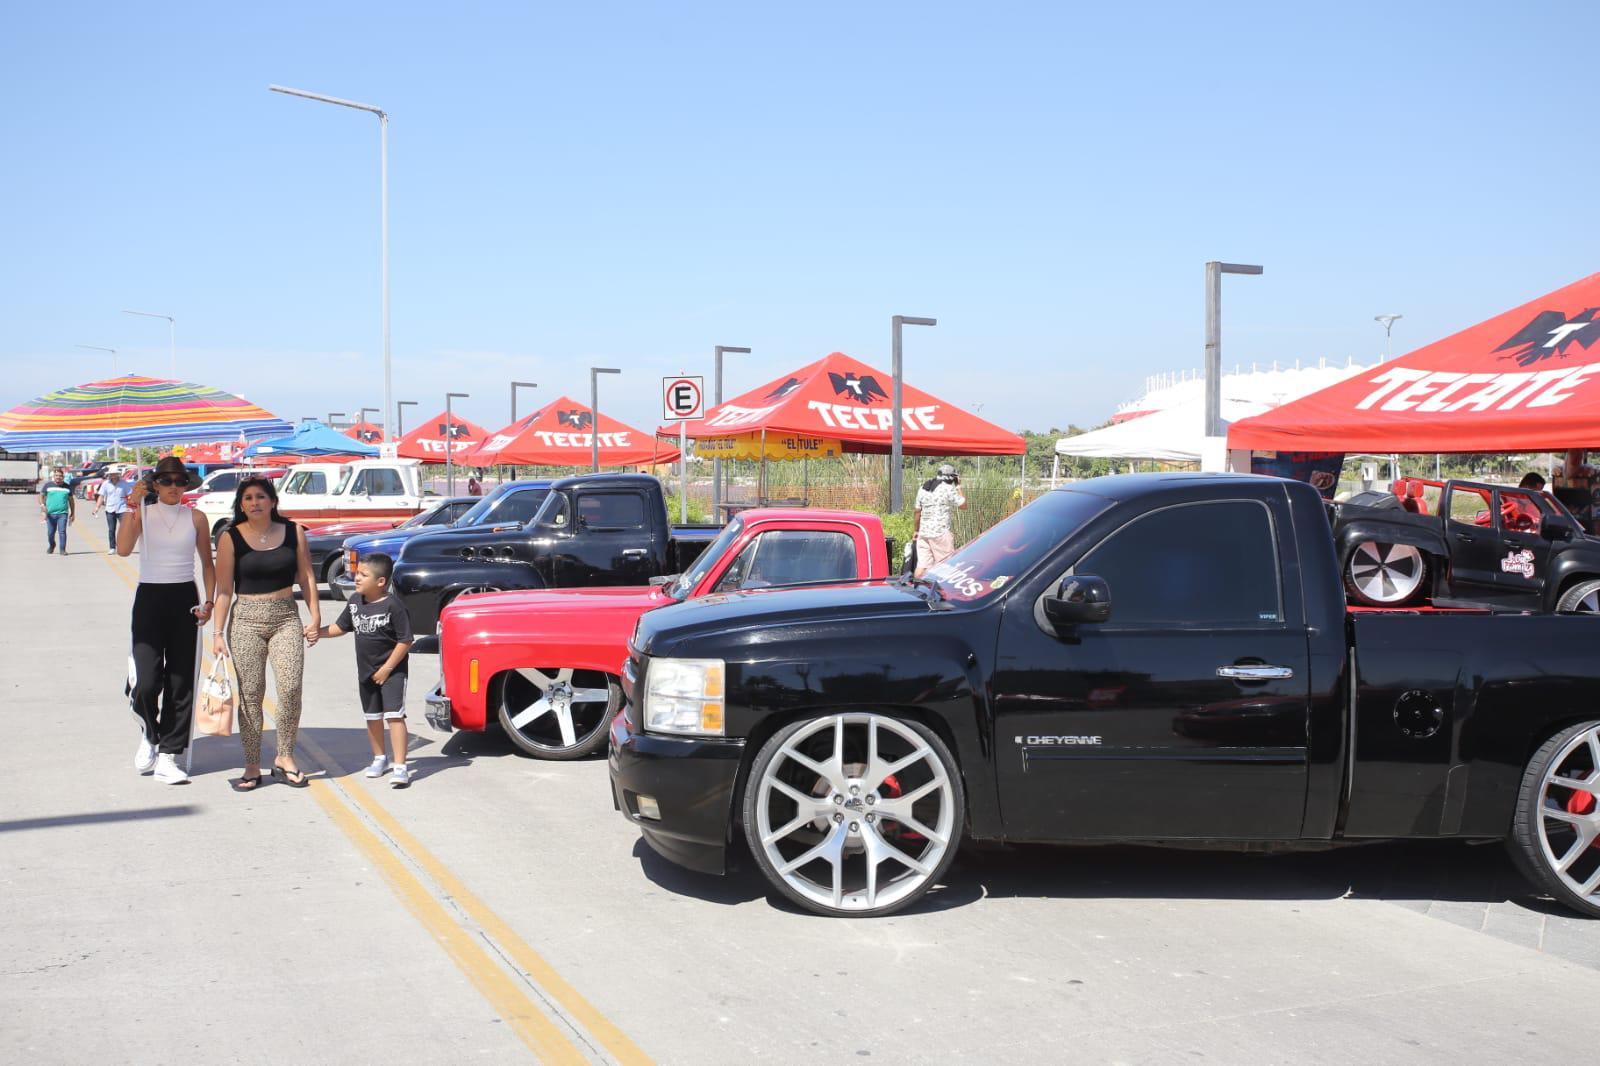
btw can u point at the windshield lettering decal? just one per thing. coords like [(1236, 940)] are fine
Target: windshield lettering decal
[(958, 577)]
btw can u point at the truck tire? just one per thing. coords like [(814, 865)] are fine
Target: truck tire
[(1581, 598), (332, 572), (854, 815), (1379, 574), (558, 713), (1555, 834)]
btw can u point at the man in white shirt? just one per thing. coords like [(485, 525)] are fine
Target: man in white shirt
[(938, 499), (112, 498)]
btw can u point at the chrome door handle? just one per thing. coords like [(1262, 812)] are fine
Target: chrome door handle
[(1255, 673), (635, 553)]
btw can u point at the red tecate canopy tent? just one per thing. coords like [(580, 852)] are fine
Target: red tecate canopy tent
[(427, 441), (366, 432), (562, 433), (845, 399), (1526, 380)]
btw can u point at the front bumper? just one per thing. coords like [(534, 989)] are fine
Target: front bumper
[(437, 709), (690, 778)]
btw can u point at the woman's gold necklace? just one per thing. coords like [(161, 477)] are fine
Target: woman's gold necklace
[(172, 526)]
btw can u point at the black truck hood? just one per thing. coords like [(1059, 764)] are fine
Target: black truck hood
[(673, 630)]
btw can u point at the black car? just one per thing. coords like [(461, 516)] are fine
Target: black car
[(1466, 542), (1155, 658)]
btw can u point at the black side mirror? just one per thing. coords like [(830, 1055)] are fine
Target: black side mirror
[(1557, 527), (1079, 601)]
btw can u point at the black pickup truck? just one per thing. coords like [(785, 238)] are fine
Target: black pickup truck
[(596, 529), (1155, 658)]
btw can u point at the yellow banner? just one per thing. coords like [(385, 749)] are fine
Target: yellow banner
[(779, 446)]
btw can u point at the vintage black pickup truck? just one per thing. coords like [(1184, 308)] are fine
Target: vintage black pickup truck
[(596, 529), (1154, 658)]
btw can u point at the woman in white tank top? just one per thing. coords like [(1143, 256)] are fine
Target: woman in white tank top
[(166, 610)]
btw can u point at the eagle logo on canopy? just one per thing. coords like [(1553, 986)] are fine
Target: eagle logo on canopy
[(863, 389), (454, 432), (575, 419), (1552, 333), (787, 387)]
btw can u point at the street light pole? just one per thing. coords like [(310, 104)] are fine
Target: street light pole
[(172, 334), (1214, 272), (450, 442), (515, 385), (594, 413), (1387, 321), (895, 451), (362, 417), (97, 348), (977, 409), (383, 166), (335, 414), (716, 401), (397, 413)]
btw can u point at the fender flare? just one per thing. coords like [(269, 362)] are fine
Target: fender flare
[(1354, 533)]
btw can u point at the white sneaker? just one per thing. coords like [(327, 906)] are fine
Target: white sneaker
[(401, 777), (144, 759), (379, 767), (168, 772), (113, 551)]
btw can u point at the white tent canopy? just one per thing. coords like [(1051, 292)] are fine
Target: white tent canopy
[(1174, 435)]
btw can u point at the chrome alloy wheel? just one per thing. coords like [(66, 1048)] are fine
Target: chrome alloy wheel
[(557, 713), (1569, 815), (1385, 573), (855, 813)]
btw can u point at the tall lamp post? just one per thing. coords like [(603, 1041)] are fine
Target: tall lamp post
[(97, 348), (1214, 272), (397, 416), (383, 168), (716, 401), (362, 417), (594, 411), (977, 409), (895, 455), (1387, 322), (172, 334), (515, 385), (450, 442), (335, 414)]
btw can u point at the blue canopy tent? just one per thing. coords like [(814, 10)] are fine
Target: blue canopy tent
[(312, 438)]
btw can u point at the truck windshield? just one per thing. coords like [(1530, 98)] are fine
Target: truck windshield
[(708, 558), (1010, 549)]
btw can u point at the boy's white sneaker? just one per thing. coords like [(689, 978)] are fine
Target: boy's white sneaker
[(380, 766), (168, 772), (144, 759), (401, 777)]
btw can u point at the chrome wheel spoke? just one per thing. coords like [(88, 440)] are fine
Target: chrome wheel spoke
[(533, 710), (537, 678), (826, 773), (590, 695), (564, 723), (1575, 834)]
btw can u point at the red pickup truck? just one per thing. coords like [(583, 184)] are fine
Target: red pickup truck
[(546, 663)]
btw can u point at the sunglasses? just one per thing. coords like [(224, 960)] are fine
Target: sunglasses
[(170, 480)]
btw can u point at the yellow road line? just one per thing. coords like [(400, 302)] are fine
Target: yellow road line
[(612, 1039), (506, 996)]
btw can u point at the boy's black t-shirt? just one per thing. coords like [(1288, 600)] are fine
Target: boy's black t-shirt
[(378, 628)]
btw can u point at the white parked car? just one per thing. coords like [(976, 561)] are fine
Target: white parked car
[(318, 494)]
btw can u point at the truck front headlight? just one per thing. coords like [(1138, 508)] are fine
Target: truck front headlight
[(684, 696)]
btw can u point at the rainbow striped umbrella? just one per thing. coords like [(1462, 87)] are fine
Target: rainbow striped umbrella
[(133, 410)]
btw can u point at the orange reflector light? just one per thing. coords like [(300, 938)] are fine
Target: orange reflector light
[(472, 676), (711, 717)]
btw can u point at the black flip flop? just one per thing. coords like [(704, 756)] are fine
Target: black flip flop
[(292, 778), (247, 784)]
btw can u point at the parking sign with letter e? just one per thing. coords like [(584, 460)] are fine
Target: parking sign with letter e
[(682, 398)]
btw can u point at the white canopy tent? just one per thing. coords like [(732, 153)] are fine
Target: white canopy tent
[(1174, 435)]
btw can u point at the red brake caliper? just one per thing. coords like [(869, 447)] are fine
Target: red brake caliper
[(892, 790), (1582, 803)]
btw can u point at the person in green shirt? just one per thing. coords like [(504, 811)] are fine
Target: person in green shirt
[(59, 508)]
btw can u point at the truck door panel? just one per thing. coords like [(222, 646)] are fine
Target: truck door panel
[(1127, 729), (612, 542), (1469, 530)]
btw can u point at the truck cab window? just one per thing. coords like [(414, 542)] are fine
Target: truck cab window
[(518, 506), (611, 510), (378, 482), (307, 482), (791, 557), (1208, 563)]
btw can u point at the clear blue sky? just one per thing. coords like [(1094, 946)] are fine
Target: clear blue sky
[(628, 184)]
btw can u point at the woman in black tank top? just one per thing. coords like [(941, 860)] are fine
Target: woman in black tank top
[(262, 558)]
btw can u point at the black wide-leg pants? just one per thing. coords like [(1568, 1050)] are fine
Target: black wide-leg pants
[(165, 643)]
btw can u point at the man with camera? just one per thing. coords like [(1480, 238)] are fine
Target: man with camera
[(938, 499)]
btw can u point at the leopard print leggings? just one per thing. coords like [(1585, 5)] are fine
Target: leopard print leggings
[(260, 630)]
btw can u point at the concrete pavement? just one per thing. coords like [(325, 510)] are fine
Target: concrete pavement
[(500, 909)]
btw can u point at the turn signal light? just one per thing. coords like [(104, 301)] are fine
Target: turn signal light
[(472, 676)]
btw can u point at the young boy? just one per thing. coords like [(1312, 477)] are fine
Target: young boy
[(383, 637)]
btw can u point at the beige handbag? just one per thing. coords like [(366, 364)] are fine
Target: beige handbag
[(214, 712)]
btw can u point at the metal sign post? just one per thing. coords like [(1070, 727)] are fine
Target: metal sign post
[(683, 400)]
